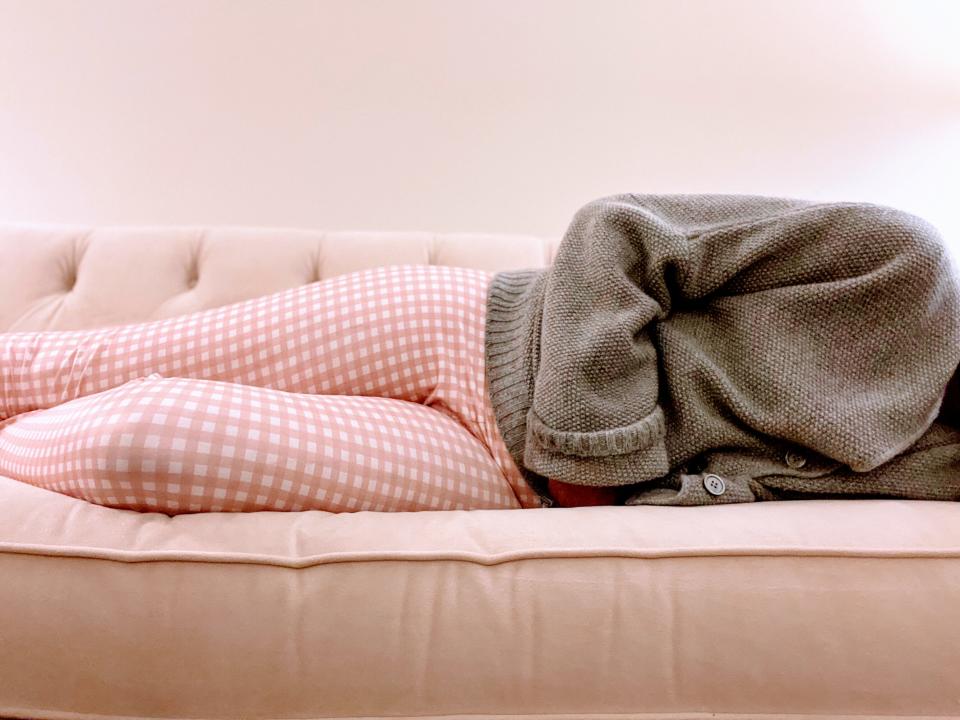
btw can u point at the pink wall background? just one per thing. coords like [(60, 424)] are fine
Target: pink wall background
[(493, 115)]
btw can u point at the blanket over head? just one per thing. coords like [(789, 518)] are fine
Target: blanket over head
[(730, 348)]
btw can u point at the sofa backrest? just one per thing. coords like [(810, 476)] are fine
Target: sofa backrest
[(64, 278)]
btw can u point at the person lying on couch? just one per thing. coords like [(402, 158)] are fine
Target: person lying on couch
[(679, 350)]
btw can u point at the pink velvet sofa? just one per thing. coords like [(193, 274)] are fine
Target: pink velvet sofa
[(804, 609)]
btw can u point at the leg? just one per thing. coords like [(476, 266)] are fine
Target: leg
[(174, 445), (407, 332), (395, 331)]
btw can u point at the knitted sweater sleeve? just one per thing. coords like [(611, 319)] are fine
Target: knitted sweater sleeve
[(803, 291)]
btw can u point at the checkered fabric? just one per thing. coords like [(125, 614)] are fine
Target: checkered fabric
[(365, 391)]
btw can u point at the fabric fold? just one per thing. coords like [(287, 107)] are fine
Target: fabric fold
[(637, 436)]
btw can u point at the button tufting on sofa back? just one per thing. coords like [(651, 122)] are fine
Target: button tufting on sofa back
[(61, 278)]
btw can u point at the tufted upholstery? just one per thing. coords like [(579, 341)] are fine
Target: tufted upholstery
[(805, 609), (65, 278)]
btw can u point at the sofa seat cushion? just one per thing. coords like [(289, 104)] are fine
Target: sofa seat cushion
[(814, 608)]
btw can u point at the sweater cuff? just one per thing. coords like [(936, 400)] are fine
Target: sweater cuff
[(611, 441), (617, 456)]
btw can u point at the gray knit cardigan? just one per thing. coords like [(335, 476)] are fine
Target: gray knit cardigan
[(701, 349)]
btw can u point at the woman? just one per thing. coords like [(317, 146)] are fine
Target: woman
[(680, 350)]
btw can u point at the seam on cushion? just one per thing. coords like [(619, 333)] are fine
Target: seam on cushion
[(66, 715), (130, 556)]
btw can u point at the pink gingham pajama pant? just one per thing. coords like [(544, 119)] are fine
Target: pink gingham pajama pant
[(365, 391)]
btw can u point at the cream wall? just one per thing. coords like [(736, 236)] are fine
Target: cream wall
[(486, 115)]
